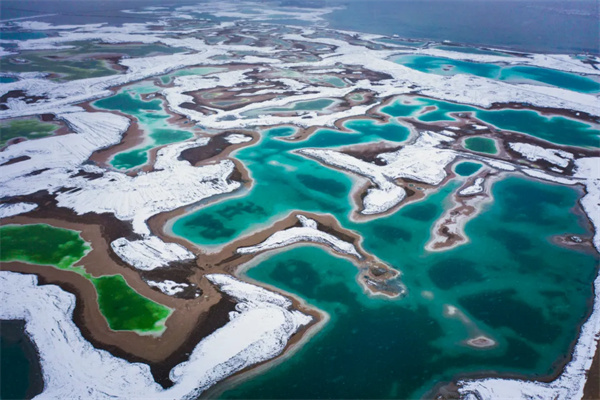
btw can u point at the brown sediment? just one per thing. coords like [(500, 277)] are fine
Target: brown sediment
[(15, 160), (217, 146), (591, 390), (465, 208)]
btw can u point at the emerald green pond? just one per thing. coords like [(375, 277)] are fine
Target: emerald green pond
[(30, 128), (127, 310), (481, 145), (447, 66), (123, 307)]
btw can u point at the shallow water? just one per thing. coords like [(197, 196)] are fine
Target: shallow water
[(152, 120), (409, 344), (517, 74)]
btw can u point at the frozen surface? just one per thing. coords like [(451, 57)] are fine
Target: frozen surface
[(308, 232), (532, 152), (10, 210), (475, 188), (150, 253), (168, 287)]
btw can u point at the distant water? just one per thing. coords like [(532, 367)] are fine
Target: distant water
[(82, 12), (537, 26)]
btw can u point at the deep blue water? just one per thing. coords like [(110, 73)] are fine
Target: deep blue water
[(537, 26)]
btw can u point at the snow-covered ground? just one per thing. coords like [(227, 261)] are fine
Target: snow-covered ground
[(308, 232), (10, 210), (266, 319), (150, 253), (531, 152)]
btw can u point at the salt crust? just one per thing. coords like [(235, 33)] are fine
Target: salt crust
[(532, 152), (168, 287), (264, 317), (420, 161), (10, 210), (308, 232), (150, 253)]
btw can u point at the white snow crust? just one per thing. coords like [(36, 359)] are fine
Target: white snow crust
[(10, 210), (308, 232), (532, 152), (265, 318), (150, 253)]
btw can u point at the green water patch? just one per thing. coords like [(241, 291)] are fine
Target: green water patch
[(555, 129), (127, 310), (447, 67), (19, 363), (77, 63), (30, 128), (530, 300), (42, 244), (152, 119), (85, 48), (66, 69), (123, 307), (467, 168), (481, 145)]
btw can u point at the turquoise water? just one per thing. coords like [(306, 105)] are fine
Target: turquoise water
[(447, 66), (13, 35), (374, 348), (152, 119), (553, 128), (467, 168), (300, 183), (6, 79)]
